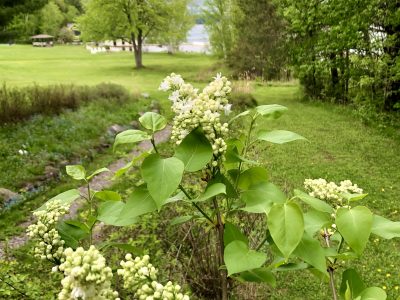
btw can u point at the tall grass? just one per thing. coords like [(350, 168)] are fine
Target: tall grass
[(21, 103)]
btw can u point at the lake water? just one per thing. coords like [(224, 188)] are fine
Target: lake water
[(198, 34)]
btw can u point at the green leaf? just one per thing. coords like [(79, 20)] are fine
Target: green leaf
[(180, 220), (130, 136), (315, 220), (108, 196), (178, 197), (351, 285), (162, 176), (129, 165), (232, 156), (260, 197), (286, 225), (71, 234), (272, 111), (76, 223), (66, 197), (153, 121), (260, 275), (311, 252), (212, 191), (354, 197), (372, 293), (98, 171), (77, 172), (355, 226), (242, 114), (251, 177), (233, 233), (292, 267), (279, 136), (385, 228), (313, 202), (195, 151), (123, 214), (239, 258), (123, 246)]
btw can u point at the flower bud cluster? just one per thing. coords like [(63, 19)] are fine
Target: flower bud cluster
[(49, 245), (86, 276), (203, 110), (140, 276), (321, 189)]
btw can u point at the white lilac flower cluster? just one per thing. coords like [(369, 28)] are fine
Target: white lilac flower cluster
[(321, 189), (86, 276), (193, 109), (140, 276), (49, 245)]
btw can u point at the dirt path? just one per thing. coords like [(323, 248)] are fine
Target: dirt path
[(99, 182)]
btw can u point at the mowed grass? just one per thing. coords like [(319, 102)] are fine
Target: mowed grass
[(339, 147), (21, 65)]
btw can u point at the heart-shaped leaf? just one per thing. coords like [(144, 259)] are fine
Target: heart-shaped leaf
[(77, 172), (130, 136), (352, 284), (239, 258), (153, 121), (311, 252), (212, 191), (66, 197), (273, 111), (279, 136), (251, 177), (260, 197), (385, 228), (313, 202), (118, 213), (260, 275), (108, 196), (233, 233), (162, 176), (355, 226), (286, 225), (372, 293), (195, 151)]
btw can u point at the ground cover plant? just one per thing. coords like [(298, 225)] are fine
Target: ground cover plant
[(333, 227)]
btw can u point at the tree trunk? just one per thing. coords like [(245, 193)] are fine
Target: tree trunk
[(137, 49)]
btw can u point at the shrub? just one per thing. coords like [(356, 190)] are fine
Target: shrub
[(21, 103)]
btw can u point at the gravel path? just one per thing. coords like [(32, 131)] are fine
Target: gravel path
[(99, 182)]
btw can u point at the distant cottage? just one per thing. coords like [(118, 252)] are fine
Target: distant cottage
[(42, 40)]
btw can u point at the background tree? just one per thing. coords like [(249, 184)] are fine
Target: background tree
[(129, 20), (218, 18), (51, 19), (257, 46), (175, 31)]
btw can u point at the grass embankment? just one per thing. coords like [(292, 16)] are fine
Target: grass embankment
[(340, 147)]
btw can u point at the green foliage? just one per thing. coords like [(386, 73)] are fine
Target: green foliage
[(21, 103)]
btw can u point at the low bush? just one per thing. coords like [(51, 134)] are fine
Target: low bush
[(21, 103)]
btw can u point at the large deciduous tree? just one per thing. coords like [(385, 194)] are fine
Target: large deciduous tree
[(129, 20)]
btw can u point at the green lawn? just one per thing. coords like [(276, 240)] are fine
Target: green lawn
[(340, 146), (23, 65)]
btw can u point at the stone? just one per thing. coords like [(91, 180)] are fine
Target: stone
[(115, 129)]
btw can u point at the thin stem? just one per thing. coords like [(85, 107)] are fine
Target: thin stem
[(154, 144), (244, 151), (220, 232), (90, 212), (332, 283), (262, 243), (195, 204), (13, 287), (330, 268)]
